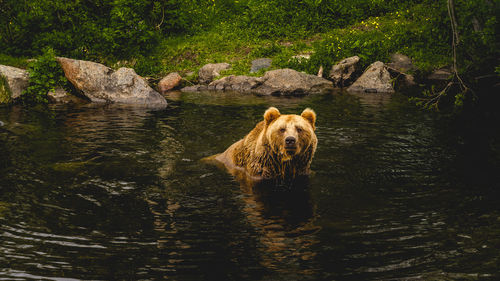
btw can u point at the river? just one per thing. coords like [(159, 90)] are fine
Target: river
[(95, 192)]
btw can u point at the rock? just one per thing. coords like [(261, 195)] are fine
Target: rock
[(402, 81), (397, 68), (59, 95), (236, 83), (259, 64), (100, 83), (375, 78), (440, 77), (290, 82), (169, 82), (442, 74), (405, 81), (400, 63), (17, 81), (210, 71), (195, 88), (286, 82), (345, 72)]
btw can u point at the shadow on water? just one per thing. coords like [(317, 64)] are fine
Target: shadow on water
[(119, 193)]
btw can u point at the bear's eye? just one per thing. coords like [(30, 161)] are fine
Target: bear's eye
[(282, 130), (299, 130)]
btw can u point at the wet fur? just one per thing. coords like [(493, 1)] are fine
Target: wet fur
[(261, 155)]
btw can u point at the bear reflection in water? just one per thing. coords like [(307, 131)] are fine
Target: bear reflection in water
[(283, 215)]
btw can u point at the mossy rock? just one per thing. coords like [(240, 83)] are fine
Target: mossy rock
[(5, 93)]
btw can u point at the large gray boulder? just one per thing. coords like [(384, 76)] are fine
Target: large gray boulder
[(17, 81), (289, 82), (285, 82), (376, 78), (100, 83), (208, 72), (345, 72)]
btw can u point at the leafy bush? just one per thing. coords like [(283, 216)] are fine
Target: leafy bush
[(45, 75), (87, 29)]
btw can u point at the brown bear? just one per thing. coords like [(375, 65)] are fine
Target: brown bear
[(280, 146)]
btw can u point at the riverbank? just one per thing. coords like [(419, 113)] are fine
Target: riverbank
[(410, 30), (374, 38)]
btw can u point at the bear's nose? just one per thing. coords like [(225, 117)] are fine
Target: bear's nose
[(290, 141)]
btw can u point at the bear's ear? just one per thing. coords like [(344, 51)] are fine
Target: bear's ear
[(310, 116), (271, 114)]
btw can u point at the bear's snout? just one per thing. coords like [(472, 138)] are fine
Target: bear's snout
[(290, 141)]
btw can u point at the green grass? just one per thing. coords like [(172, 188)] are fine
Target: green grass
[(377, 38), (19, 62), (407, 32)]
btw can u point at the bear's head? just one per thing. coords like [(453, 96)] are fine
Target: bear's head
[(291, 135)]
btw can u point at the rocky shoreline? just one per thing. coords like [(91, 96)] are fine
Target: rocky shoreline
[(101, 84), (347, 74)]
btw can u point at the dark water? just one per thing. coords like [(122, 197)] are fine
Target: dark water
[(118, 193)]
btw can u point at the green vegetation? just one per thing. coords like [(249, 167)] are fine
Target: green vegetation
[(19, 62), (45, 75), (5, 93), (157, 37)]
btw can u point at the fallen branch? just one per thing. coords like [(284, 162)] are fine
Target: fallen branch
[(433, 99)]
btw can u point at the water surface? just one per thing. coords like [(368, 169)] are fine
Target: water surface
[(118, 193)]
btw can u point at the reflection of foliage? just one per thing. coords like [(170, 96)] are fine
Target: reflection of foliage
[(4, 208)]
